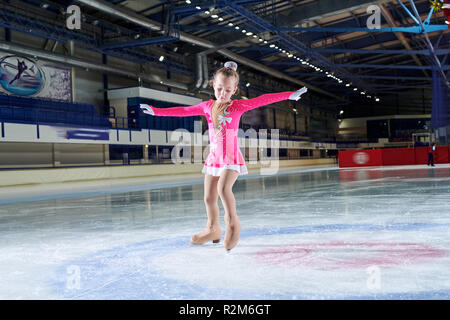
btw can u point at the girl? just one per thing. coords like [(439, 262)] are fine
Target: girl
[(225, 161)]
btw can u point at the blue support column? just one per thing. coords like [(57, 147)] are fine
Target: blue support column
[(440, 114), (8, 34), (105, 86), (295, 122), (168, 75), (274, 118)]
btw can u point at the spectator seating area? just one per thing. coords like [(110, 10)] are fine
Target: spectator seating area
[(137, 119), (46, 111)]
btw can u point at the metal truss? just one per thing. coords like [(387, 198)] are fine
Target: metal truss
[(90, 40)]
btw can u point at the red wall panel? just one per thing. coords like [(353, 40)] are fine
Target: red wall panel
[(398, 156), (421, 155), (392, 156), (441, 154), (360, 158)]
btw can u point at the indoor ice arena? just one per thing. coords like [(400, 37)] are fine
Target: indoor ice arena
[(224, 150)]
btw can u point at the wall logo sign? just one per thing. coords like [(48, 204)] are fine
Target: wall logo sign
[(73, 21), (374, 20), (21, 76), (361, 158)]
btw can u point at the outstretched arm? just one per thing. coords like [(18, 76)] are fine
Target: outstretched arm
[(197, 110), (269, 98)]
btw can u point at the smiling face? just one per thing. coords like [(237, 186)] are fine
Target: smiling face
[(224, 87)]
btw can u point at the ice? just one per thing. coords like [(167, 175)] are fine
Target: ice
[(313, 233)]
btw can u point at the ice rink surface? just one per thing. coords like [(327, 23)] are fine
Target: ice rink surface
[(314, 233)]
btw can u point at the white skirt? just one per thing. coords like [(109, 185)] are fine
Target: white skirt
[(214, 171)]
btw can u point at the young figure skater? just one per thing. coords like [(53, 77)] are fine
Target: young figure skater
[(225, 161)]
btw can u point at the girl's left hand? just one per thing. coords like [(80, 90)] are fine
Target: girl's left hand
[(296, 95), (147, 109)]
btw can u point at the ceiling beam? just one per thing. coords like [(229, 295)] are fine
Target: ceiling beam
[(387, 15), (144, 22)]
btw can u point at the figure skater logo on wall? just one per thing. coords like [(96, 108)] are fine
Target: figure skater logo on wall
[(21, 76)]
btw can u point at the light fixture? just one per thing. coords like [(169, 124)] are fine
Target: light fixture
[(188, 1), (347, 85), (272, 45), (230, 24), (356, 89), (207, 12), (161, 58), (198, 8), (377, 99), (249, 33), (215, 16), (342, 112), (237, 27), (248, 84), (220, 19)]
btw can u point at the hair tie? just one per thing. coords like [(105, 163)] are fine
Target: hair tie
[(231, 65)]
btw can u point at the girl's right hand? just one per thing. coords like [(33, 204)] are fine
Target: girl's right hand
[(147, 109)]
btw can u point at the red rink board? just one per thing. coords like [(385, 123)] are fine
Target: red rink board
[(391, 157), (442, 154), (421, 155), (360, 158), (398, 156)]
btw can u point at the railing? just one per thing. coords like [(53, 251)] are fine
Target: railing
[(49, 116)]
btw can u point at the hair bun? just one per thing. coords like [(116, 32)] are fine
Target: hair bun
[(231, 65)]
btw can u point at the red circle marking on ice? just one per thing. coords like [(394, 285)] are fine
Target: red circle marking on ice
[(344, 255)]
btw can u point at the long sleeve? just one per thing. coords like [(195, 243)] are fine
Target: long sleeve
[(197, 110), (265, 99)]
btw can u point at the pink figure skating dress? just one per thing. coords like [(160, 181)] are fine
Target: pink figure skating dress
[(224, 150)]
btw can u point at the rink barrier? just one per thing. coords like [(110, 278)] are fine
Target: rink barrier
[(98, 173), (392, 157)]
